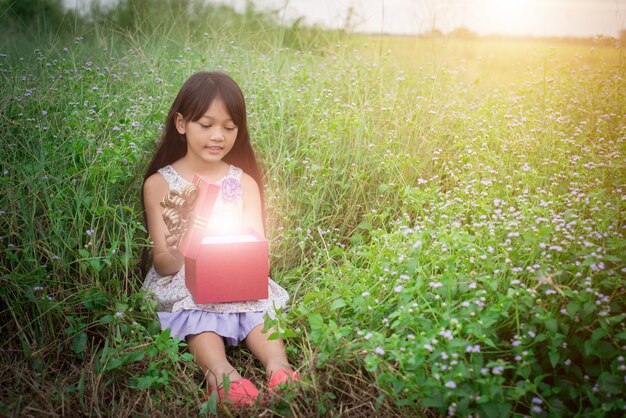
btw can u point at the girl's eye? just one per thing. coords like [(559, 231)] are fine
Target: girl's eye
[(231, 128), (205, 126)]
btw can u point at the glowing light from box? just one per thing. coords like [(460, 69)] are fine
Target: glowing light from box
[(228, 239)]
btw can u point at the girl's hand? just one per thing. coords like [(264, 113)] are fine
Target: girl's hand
[(165, 254), (171, 243)]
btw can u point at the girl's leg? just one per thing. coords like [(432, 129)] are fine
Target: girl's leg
[(210, 354), (271, 353)]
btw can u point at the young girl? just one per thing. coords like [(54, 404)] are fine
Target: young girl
[(206, 134)]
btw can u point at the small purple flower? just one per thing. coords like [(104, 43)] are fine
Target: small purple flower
[(497, 370), (473, 348), (231, 189), (379, 350)]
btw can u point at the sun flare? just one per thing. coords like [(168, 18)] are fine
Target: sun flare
[(511, 7), (511, 16)]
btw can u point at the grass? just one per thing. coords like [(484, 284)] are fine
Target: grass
[(447, 216)]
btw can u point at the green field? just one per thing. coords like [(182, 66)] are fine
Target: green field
[(447, 216)]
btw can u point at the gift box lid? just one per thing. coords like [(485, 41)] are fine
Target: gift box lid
[(200, 214)]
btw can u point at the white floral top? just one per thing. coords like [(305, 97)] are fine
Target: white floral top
[(171, 292)]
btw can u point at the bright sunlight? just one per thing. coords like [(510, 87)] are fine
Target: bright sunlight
[(518, 17)]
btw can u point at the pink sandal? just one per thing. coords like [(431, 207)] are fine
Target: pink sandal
[(282, 377), (242, 392)]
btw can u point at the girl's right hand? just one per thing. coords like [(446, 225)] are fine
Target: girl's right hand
[(166, 256), (171, 242)]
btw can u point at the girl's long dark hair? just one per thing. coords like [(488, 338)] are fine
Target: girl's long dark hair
[(192, 101)]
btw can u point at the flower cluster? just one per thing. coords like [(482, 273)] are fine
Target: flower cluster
[(231, 189)]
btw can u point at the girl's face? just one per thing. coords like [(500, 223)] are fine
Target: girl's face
[(212, 136)]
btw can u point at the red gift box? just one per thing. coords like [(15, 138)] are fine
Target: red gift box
[(222, 266)]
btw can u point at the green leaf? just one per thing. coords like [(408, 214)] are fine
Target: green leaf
[(617, 319), (339, 303), (365, 225), (316, 321), (554, 358), (95, 264), (573, 308), (433, 402), (612, 384), (79, 343), (597, 335), (357, 239), (588, 309), (311, 297), (489, 342), (495, 409), (210, 406), (551, 325), (411, 265), (609, 257), (288, 333), (113, 364), (144, 382), (94, 299), (605, 350)]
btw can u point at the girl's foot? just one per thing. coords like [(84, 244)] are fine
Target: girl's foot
[(282, 377), (241, 392)]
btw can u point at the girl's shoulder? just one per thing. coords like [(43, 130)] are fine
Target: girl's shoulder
[(156, 185), (250, 186), (154, 180)]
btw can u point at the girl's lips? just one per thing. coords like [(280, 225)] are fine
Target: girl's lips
[(213, 149)]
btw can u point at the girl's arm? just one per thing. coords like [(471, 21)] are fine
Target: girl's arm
[(166, 258), (252, 216), (252, 212)]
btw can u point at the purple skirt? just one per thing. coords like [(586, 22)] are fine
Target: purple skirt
[(233, 327)]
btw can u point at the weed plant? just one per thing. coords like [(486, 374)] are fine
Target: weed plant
[(446, 215)]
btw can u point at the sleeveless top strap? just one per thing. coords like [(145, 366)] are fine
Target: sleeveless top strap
[(234, 172), (175, 181)]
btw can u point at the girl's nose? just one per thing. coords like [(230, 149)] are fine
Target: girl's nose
[(217, 135)]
